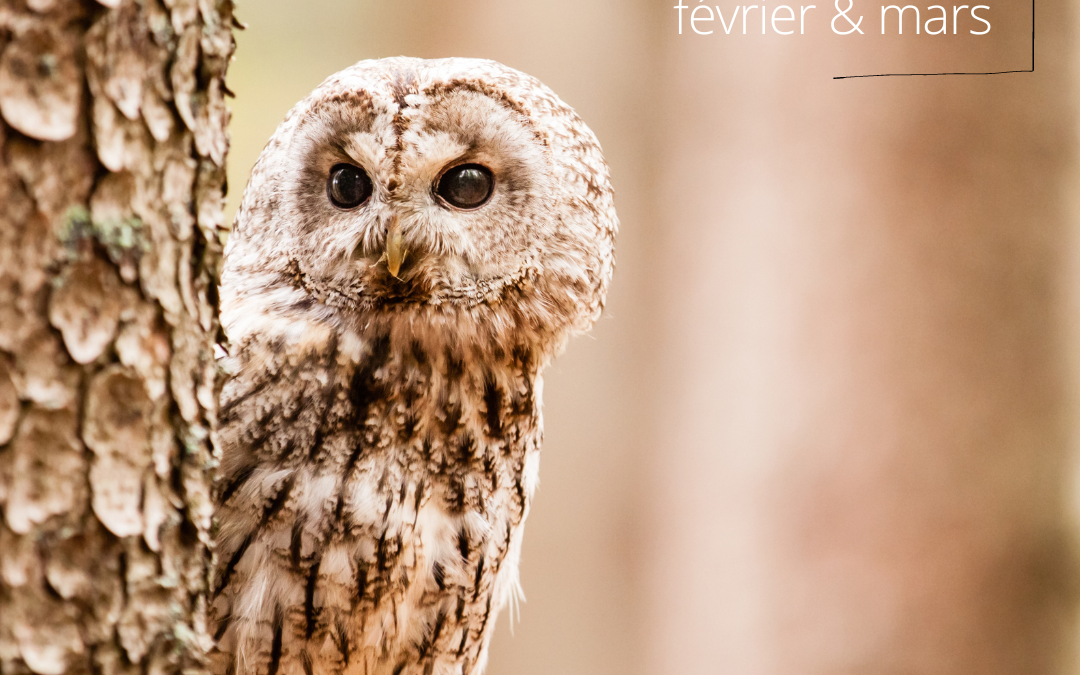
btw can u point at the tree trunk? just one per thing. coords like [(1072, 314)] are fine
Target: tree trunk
[(112, 152)]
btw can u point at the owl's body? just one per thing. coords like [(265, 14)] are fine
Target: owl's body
[(389, 323)]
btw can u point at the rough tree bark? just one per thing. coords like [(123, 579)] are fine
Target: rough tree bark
[(112, 151)]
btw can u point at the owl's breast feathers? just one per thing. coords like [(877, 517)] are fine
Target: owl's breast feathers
[(371, 504)]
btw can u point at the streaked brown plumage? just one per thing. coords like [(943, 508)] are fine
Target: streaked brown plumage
[(381, 431)]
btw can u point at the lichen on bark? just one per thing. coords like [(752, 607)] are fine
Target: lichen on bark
[(112, 150)]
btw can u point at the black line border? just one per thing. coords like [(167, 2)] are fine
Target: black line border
[(999, 72)]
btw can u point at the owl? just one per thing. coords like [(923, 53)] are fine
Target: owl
[(416, 243)]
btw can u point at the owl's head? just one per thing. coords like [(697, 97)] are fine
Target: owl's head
[(448, 199)]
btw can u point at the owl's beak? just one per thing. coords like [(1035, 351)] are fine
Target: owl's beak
[(395, 253)]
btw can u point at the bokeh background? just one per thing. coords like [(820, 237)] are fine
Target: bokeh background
[(827, 424)]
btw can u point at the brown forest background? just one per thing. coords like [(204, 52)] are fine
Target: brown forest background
[(827, 424)]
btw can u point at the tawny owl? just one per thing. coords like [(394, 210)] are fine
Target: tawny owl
[(417, 241)]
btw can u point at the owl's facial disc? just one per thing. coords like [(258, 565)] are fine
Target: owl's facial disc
[(443, 195), (413, 191), (431, 234)]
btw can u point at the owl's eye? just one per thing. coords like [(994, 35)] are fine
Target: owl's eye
[(348, 186), (467, 186)]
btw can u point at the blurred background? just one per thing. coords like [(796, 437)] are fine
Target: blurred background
[(827, 424)]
